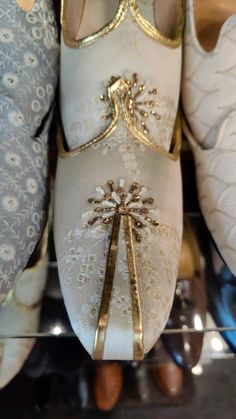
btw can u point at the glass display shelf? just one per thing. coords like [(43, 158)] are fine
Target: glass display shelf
[(54, 321), (58, 381)]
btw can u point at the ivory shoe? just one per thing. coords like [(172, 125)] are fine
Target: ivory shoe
[(118, 203), (209, 101), (28, 76), (19, 315)]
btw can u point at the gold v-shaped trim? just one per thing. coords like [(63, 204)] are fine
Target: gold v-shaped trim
[(120, 112), (144, 24)]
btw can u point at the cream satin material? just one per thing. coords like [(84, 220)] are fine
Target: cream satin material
[(19, 317), (209, 98), (82, 250)]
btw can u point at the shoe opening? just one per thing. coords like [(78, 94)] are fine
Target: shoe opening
[(210, 16)]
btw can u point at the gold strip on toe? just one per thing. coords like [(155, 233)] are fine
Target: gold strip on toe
[(138, 346), (118, 202), (103, 316), (123, 8)]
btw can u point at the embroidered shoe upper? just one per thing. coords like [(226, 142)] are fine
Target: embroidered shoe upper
[(28, 77)]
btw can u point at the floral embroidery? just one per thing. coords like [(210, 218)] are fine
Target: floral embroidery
[(10, 203), (87, 267), (27, 92), (6, 35), (7, 252), (90, 310)]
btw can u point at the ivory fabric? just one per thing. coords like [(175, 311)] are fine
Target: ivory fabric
[(209, 101), (82, 250), (18, 318), (28, 78)]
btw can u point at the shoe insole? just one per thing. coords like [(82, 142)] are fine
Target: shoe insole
[(210, 15), (166, 16), (26, 5), (86, 17)]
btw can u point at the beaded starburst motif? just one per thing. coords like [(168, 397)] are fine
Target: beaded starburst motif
[(139, 109), (118, 200)]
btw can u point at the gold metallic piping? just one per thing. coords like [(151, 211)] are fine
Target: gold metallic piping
[(108, 211), (175, 147), (138, 347), (153, 32), (72, 43), (25, 5), (105, 134), (146, 26), (120, 110), (103, 317)]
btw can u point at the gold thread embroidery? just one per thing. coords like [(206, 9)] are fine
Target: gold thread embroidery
[(146, 26), (139, 110), (119, 97), (117, 203), (122, 202), (72, 43), (102, 136)]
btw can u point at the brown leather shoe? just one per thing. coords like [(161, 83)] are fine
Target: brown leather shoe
[(108, 385), (169, 378)]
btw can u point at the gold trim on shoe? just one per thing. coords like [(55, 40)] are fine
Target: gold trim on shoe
[(118, 202), (138, 345), (123, 8), (119, 97), (153, 32), (103, 316)]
